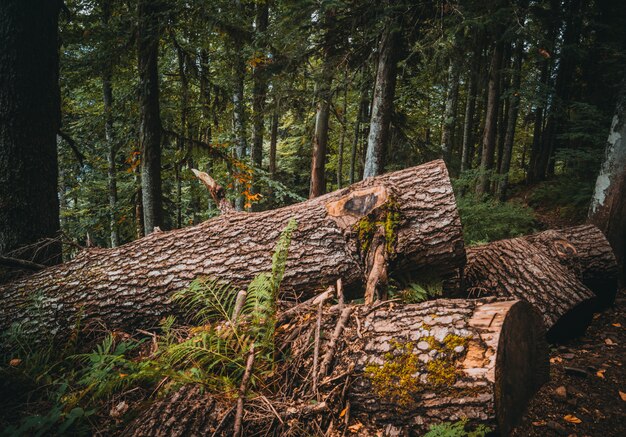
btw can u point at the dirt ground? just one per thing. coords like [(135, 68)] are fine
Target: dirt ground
[(586, 395)]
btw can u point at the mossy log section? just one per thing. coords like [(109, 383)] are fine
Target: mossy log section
[(411, 213), (443, 360), (518, 269), (402, 367), (586, 252)]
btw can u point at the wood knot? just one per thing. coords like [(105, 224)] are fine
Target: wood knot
[(564, 248)]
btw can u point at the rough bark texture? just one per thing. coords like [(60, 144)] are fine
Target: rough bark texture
[(518, 269), (382, 105), (585, 251), (400, 368), (449, 117), (150, 114), (130, 286), (491, 119), (29, 121), (259, 91), (320, 135), (608, 205)]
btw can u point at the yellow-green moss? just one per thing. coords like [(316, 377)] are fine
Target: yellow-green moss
[(452, 341), (441, 371), (397, 380), (386, 218)]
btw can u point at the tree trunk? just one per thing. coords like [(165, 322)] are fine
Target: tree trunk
[(517, 269), (150, 114), (107, 98), (30, 117), (274, 138), (239, 113), (491, 118), (259, 90), (320, 135), (344, 126), (470, 108), (403, 368), (585, 251), (514, 100), (382, 104), (608, 204), (402, 221), (449, 117)]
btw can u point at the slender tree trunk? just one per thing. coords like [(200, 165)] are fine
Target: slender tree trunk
[(514, 99), (274, 138), (181, 143), (107, 97), (150, 114), (608, 204), (449, 117), (29, 121), (470, 107), (503, 105), (259, 90), (205, 96), (320, 135), (239, 114), (491, 119), (382, 103), (344, 126)]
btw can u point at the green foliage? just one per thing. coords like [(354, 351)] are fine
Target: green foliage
[(488, 220), (456, 429)]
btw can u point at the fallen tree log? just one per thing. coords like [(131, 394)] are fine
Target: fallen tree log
[(404, 220), (397, 369), (587, 253), (517, 269)]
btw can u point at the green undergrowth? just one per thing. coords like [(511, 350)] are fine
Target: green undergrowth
[(457, 429), (486, 219), (62, 392)]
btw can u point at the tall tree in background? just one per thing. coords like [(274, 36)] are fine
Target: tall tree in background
[(150, 113), (322, 115), (608, 204), (29, 122), (259, 85), (452, 96), (107, 97), (384, 92), (491, 119)]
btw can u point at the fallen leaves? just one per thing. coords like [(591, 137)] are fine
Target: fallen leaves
[(15, 362), (600, 373), (622, 395), (572, 419), (356, 427), (343, 412), (556, 360), (617, 325), (540, 423), (609, 342)]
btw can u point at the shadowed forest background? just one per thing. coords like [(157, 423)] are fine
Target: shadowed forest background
[(277, 101)]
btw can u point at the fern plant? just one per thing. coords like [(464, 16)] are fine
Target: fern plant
[(215, 352)]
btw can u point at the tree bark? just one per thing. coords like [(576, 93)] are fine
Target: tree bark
[(239, 112), (470, 109), (259, 89), (403, 368), (322, 115), (30, 117), (274, 138), (518, 269), (491, 118), (514, 100), (150, 114), (585, 251), (411, 214), (449, 117), (608, 204), (344, 126), (382, 104)]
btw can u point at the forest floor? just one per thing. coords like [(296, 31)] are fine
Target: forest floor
[(586, 395)]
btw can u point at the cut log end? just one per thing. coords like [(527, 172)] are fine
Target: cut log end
[(522, 364)]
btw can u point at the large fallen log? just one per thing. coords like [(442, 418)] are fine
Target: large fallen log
[(405, 220), (521, 270), (586, 252), (400, 368)]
